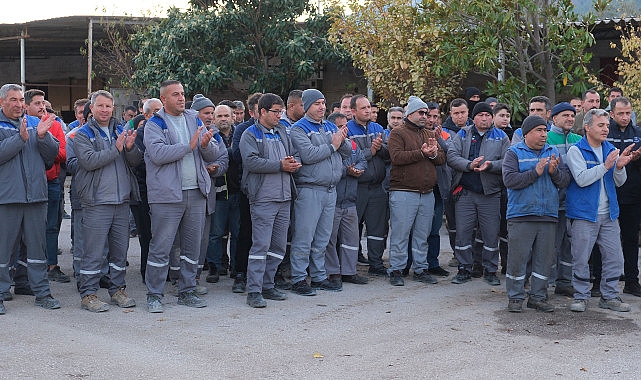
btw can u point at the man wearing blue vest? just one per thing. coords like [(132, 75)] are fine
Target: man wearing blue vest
[(591, 206), (26, 149), (177, 152), (105, 153)]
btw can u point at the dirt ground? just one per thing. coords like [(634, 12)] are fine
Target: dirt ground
[(366, 331)]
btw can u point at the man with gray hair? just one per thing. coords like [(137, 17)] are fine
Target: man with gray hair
[(26, 149), (394, 117), (239, 112), (105, 153), (150, 107)]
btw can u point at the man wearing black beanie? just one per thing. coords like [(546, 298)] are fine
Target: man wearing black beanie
[(476, 156)]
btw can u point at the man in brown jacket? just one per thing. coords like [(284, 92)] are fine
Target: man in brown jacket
[(414, 152)]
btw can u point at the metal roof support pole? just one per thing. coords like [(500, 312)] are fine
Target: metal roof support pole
[(89, 56), (22, 60)]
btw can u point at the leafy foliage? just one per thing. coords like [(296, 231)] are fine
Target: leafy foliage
[(218, 44), (400, 50), (630, 65)]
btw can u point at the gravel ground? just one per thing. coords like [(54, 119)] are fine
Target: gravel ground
[(366, 331)]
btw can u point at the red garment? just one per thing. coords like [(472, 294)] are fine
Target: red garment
[(58, 133)]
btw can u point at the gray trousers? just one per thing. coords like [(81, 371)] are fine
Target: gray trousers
[(562, 271), (78, 249), (188, 217), (104, 224), (270, 221), (409, 212), (606, 234), (314, 218), (529, 241), (372, 209), (24, 222), (474, 209), (344, 235)]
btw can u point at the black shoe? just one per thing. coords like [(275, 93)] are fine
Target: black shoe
[(595, 292), (362, 260), (23, 291), (327, 285), (438, 271), (213, 276), (222, 271), (240, 283), (405, 272), (382, 271), (282, 283), (355, 279), (396, 279), (632, 288), (515, 306), (133, 234), (477, 270), (424, 277), (205, 266), (55, 274), (462, 277), (490, 278), (541, 305), (256, 300), (105, 282), (66, 216), (274, 294), (567, 290), (302, 288)]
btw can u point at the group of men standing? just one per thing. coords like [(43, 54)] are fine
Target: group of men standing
[(290, 176)]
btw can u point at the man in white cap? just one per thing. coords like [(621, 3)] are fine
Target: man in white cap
[(415, 153)]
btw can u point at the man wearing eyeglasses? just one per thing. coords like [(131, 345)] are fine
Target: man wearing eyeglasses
[(476, 156), (414, 152)]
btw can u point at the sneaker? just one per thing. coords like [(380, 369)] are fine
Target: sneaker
[(396, 278), (579, 305), (7, 296), (362, 260), (477, 270), (453, 263), (121, 299), (92, 303), (23, 290), (355, 279), (425, 278), (47, 302), (213, 275), (567, 291), (438, 271), (191, 299), (200, 289), (55, 274), (462, 277), (302, 288), (541, 305), (381, 271), (615, 304), (3, 311), (273, 294), (240, 283), (630, 288), (256, 300), (154, 305), (490, 278), (515, 306), (327, 285)]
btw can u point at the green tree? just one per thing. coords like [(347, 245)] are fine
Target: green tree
[(400, 50), (539, 46), (217, 45)]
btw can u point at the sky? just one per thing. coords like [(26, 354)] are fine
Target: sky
[(18, 12)]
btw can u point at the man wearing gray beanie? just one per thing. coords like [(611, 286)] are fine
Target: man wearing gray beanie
[(414, 152), (200, 101), (475, 156), (322, 148)]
